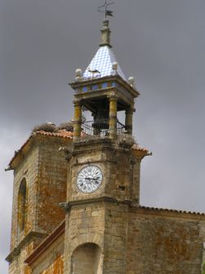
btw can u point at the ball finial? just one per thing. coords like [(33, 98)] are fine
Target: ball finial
[(78, 74), (131, 81), (115, 67)]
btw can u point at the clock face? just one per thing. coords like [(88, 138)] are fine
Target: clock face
[(89, 179)]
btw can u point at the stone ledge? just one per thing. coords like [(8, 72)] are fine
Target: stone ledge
[(122, 143), (93, 141), (45, 244), (67, 206), (16, 251)]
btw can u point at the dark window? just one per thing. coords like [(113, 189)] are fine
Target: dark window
[(22, 205)]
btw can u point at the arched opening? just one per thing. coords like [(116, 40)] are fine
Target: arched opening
[(22, 205), (87, 259)]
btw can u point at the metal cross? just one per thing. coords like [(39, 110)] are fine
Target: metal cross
[(104, 8)]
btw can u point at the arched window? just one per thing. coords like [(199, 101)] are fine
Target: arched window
[(22, 205), (86, 259)]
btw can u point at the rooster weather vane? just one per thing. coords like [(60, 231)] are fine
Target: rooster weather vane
[(104, 8)]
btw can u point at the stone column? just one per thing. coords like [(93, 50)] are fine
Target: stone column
[(112, 116), (77, 120), (129, 120)]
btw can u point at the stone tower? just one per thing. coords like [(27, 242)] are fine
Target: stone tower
[(104, 167), (40, 174)]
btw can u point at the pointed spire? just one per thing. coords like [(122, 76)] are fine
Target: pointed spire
[(105, 34), (104, 62)]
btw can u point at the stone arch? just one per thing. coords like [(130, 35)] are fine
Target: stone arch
[(87, 238), (22, 205), (87, 259)]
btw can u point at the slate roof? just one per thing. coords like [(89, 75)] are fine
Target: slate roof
[(102, 62)]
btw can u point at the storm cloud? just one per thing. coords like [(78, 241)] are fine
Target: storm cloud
[(159, 42)]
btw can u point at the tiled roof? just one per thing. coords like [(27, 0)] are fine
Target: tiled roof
[(102, 62), (164, 210), (137, 147), (140, 152), (60, 133)]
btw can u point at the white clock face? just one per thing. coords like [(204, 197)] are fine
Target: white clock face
[(89, 179)]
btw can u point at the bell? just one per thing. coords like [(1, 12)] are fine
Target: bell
[(101, 120)]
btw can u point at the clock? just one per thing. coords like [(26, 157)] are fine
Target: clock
[(89, 179)]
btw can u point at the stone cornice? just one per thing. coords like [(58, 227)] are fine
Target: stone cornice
[(105, 199), (117, 78), (46, 243), (92, 143), (29, 237)]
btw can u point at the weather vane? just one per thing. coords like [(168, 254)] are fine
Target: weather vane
[(104, 8)]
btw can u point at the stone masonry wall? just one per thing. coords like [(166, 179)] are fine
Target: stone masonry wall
[(131, 241), (85, 224), (163, 244), (45, 171), (52, 168), (28, 169), (115, 238), (52, 260), (17, 266)]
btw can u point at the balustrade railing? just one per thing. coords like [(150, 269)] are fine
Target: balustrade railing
[(91, 129)]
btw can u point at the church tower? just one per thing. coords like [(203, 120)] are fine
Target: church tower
[(104, 166), (76, 201)]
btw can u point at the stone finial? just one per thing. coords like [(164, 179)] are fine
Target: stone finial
[(78, 74), (115, 67), (131, 81), (105, 34)]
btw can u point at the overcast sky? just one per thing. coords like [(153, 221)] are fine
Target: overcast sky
[(160, 42)]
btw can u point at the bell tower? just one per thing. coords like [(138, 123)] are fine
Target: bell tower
[(104, 91), (103, 167)]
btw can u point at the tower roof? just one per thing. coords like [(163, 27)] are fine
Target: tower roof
[(104, 62)]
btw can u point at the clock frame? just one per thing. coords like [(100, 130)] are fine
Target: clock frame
[(89, 179)]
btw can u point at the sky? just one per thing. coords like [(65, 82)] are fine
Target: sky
[(159, 42)]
